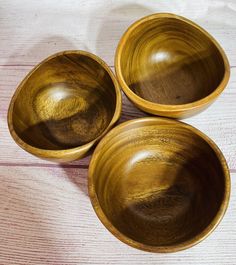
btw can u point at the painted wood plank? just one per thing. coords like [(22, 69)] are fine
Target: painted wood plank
[(45, 213), (32, 30), (46, 218)]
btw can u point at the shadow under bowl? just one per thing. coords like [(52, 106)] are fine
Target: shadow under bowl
[(158, 184), (169, 66), (64, 106)]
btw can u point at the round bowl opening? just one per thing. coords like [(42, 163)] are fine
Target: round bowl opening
[(66, 102), (169, 60), (159, 184)]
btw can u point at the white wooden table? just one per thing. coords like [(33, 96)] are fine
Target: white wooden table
[(45, 213)]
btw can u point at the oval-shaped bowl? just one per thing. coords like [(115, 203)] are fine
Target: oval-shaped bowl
[(169, 66), (158, 184), (64, 106)]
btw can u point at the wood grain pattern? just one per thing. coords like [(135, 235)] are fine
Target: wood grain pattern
[(169, 66), (45, 216), (151, 187)]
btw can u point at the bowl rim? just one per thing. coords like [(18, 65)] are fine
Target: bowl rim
[(58, 154), (149, 105), (158, 249)]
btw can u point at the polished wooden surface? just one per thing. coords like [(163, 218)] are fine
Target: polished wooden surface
[(169, 66), (64, 106), (45, 213), (158, 185)]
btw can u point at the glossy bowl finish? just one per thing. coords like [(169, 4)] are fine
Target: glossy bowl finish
[(158, 184), (169, 66), (64, 105)]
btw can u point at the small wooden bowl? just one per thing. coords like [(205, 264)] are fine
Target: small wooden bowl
[(64, 106), (169, 66), (158, 184)]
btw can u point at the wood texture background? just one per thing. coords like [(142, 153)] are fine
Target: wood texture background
[(45, 213)]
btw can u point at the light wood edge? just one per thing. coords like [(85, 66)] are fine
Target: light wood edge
[(148, 105), (57, 154), (174, 248)]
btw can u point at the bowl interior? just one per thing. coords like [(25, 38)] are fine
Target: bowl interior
[(158, 183), (167, 60), (68, 101)]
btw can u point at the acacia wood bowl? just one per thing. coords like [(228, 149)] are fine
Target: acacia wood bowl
[(169, 66), (158, 184), (64, 106)]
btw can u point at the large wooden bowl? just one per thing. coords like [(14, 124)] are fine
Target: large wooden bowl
[(158, 184), (64, 106), (169, 66)]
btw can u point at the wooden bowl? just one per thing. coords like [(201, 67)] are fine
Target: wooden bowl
[(64, 106), (158, 184), (169, 66)]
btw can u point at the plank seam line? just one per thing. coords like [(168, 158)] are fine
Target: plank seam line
[(12, 65), (16, 65), (32, 65), (2, 164), (5, 164)]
